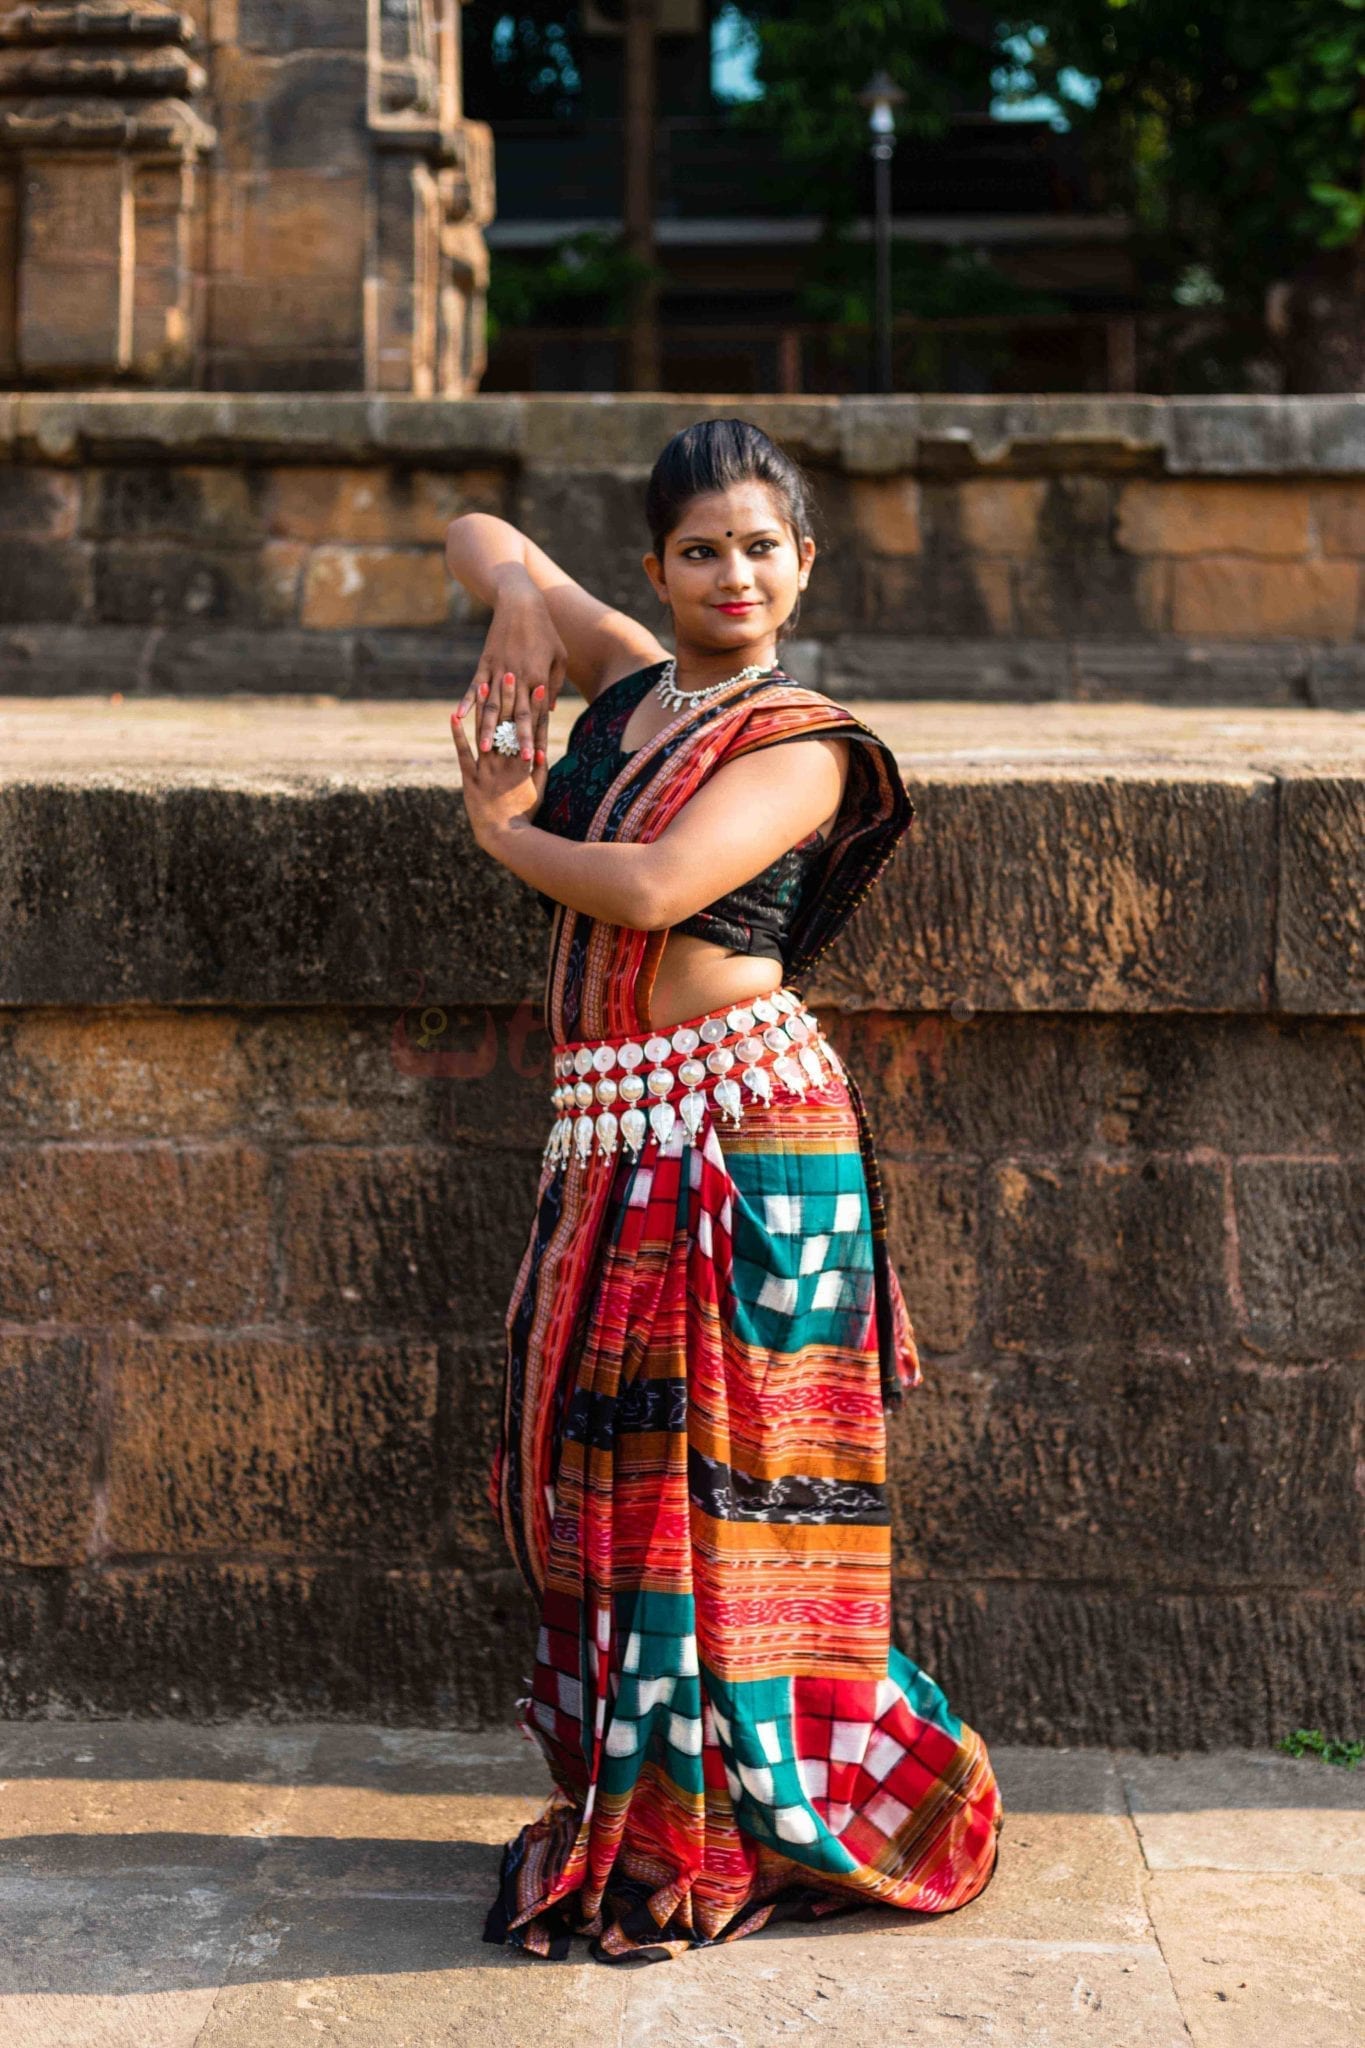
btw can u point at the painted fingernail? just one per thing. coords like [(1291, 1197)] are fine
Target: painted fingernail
[(483, 689), (539, 690), (540, 755), (484, 745)]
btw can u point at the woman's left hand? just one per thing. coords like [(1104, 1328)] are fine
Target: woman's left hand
[(499, 789)]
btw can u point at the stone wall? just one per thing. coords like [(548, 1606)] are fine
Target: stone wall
[(272, 1096), (1183, 550)]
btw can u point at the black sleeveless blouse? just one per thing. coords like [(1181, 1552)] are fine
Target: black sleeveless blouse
[(756, 917)]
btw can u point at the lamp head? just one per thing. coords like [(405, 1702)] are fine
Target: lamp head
[(881, 96)]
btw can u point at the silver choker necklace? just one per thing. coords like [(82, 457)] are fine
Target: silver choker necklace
[(678, 700)]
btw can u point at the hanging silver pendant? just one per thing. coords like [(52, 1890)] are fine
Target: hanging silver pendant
[(606, 1133), (692, 1109), (634, 1130), (662, 1117), (759, 1083), (582, 1137), (728, 1098)]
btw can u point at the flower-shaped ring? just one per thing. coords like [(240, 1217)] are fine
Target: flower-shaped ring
[(505, 739)]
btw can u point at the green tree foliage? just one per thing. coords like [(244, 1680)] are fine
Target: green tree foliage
[(1233, 134), (522, 61), (588, 276), (814, 58)]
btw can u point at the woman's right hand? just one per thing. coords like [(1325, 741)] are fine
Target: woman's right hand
[(520, 671)]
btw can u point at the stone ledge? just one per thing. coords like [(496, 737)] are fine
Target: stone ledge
[(870, 436), (47, 658), (272, 850)]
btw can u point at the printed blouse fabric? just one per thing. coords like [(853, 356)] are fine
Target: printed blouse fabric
[(753, 918)]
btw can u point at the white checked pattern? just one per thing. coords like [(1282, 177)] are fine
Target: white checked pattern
[(795, 1824), (802, 1260), (782, 1214), (833, 1290), (779, 1293)]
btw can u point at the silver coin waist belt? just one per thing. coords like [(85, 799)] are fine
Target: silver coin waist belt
[(623, 1092)]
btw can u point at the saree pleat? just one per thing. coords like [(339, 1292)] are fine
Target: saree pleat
[(702, 1343)]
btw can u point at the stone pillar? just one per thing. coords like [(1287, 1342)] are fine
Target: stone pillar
[(427, 274), (101, 208), (241, 195)]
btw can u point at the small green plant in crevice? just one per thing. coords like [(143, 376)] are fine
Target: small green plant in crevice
[(1312, 1742)]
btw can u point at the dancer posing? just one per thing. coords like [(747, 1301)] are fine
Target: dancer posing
[(705, 1330)]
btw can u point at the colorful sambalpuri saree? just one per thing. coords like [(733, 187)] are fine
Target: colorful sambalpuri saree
[(702, 1339)]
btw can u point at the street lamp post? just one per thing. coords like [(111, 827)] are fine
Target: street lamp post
[(881, 96)]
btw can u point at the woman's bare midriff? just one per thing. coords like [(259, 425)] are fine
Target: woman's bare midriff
[(695, 975)]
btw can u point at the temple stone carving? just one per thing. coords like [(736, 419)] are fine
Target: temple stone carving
[(103, 148), (241, 195)]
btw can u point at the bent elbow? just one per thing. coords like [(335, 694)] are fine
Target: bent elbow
[(655, 904), (651, 914)]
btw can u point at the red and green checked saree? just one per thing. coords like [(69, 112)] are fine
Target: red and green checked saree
[(702, 1341)]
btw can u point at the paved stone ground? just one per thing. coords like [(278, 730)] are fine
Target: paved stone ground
[(243, 1886)]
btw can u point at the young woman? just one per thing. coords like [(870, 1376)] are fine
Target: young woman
[(705, 1329)]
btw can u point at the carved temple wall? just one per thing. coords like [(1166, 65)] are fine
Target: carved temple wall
[(235, 195)]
